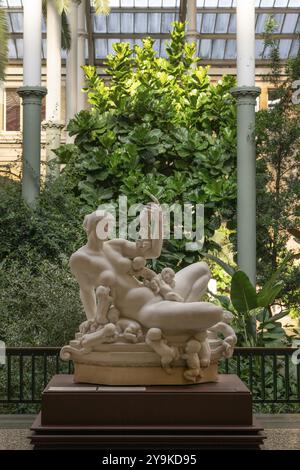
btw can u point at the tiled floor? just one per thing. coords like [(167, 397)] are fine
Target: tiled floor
[(283, 431)]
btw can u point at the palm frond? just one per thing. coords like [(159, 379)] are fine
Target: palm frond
[(65, 32), (3, 42), (102, 7), (62, 6)]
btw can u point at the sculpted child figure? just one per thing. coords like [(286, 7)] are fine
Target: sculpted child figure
[(192, 350), (162, 283), (126, 328)]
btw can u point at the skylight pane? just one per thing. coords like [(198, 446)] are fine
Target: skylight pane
[(281, 3), (211, 3), (290, 23), (284, 48), (17, 22), (126, 22), (100, 23), (166, 24), (114, 23), (222, 22), (267, 3), (259, 47), (44, 26), (140, 23), (232, 24), (208, 23), (14, 3), (230, 50), (199, 21), (154, 22), (127, 3), (100, 48), (12, 53), (225, 3), (44, 48), (155, 3), (169, 3), (294, 48), (19, 44), (279, 18), (218, 48), (260, 22), (205, 48)]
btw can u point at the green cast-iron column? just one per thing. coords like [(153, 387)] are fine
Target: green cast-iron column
[(31, 100), (246, 179)]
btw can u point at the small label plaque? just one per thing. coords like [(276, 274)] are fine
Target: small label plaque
[(121, 389), (72, 389)]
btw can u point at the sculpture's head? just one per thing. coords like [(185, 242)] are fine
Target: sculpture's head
[(227, 316), (154, 334), (192, 346), (100, 222), (168, 276), (113, 315), (138, 263)]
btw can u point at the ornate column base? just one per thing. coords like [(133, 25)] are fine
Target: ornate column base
[(31, 100), (53, 134)]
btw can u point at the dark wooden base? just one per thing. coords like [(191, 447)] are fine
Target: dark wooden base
[(206, 416)]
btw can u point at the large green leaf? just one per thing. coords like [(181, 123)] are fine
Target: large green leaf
[(269, 293), (243, 294), (227, 268)]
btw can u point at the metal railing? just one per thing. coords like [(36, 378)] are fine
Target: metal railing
[(269, 373)]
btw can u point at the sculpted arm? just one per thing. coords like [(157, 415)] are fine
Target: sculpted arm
[(148, 246), (87, 291)]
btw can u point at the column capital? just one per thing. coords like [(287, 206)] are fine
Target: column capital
[(245, 94), (32, 94)]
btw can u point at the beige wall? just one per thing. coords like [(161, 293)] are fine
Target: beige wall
[(11, 142)]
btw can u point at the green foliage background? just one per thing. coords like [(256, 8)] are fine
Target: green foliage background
[(159, 126)]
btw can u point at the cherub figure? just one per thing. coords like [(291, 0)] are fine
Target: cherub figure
[(154, 339), (139, 269), (164, 283), (126, 328), (192, 350), (229, 341), (205, 351), (106, 334)]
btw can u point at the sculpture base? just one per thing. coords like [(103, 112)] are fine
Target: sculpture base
[(206, 416), (96, 374)]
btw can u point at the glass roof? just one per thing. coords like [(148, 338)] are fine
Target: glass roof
[(130, 20)]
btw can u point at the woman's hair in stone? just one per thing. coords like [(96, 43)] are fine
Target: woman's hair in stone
[(90, 220)]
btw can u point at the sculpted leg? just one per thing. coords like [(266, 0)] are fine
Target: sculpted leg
[(178, 316), (191, 282)]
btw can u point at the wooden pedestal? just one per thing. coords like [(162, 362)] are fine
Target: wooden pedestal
[(203, 416)]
